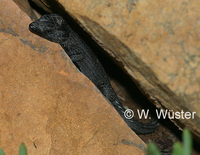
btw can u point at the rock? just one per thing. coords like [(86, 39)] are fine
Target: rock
[(47, 103), (157, 44)]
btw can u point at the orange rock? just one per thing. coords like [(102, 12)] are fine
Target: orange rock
[(156, 43), (47, 103)]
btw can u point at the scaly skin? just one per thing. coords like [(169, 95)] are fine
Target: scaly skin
[(54, 28)]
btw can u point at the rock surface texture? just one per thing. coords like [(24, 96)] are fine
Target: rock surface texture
[(47, 103), (157, 43)]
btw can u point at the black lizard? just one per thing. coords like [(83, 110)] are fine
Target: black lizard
[(54, 28)]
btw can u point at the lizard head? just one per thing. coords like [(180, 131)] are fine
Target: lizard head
[(51, 27)]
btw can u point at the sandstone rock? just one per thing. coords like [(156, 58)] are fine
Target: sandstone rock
[(47, 103), (157, 43)]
